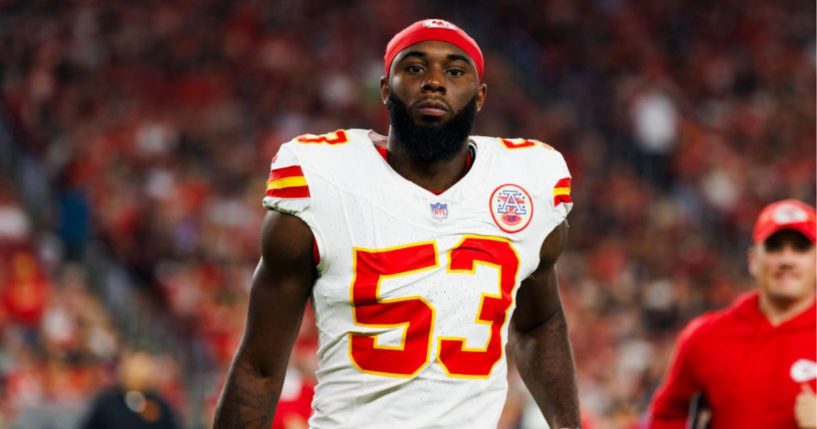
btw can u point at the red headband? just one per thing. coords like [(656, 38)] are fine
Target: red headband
[(433, 29)]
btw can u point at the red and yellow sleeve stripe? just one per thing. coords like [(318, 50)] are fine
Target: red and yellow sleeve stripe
[(287, 182), (561, 192)]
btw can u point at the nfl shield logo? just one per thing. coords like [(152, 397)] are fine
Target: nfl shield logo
[(439, 211)]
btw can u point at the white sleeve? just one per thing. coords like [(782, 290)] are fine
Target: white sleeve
[(287, 187)]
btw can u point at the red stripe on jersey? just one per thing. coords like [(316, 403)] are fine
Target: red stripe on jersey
[(561, 192), (280, 173), (295, 192), (563, 183), (561, 199), (383, 151)]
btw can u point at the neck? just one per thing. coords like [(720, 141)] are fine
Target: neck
[(435, 176), (779, 311)]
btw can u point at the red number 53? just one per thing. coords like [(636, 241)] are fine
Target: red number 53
[(417, 315)]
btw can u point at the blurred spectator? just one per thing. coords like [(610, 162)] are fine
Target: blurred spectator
[(74, 218), (133, 403), (769, 332), (24, 290), (52, 364), (14, 225)]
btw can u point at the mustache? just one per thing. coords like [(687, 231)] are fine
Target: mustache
[(431, 101)]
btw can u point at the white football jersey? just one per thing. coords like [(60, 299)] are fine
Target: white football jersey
[(416, 290)]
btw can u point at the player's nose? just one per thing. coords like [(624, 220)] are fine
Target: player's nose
[(433, 81)]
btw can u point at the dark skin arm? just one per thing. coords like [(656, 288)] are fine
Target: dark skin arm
[(281, 286), (539, 339)]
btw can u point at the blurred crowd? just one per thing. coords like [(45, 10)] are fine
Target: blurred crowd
[(145, 129)]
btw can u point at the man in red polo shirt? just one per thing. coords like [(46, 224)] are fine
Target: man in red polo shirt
[(753, 364)]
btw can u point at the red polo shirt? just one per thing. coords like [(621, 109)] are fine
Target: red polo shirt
[(749, 371)]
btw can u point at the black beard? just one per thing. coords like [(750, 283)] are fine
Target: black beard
[(433, 142)]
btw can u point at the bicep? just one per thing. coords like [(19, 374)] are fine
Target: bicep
[(281, 286), (538, 297)]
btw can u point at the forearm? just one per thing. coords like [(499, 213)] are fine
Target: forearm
[(249, 397), (545, 361), (280, 289)]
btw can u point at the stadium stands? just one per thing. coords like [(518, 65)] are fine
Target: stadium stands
[(135, 139)]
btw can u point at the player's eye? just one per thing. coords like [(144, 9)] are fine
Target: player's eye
[(414, 68), (455, 72)]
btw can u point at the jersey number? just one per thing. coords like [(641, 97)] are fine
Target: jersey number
[(417, 315), (523, 143), (336, 137)]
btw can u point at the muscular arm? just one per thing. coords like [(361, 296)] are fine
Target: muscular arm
[(281, 286), (539, 339)]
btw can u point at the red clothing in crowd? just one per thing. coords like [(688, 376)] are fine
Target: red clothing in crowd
[(749, 371), (24, 289), (295, 404)]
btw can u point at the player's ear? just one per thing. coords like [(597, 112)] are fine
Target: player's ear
[(384, 89), (482, 92), (751, 257)]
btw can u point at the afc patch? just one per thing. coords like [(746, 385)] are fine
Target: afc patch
[(511, 207)]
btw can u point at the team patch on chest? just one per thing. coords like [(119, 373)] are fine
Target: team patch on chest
[(511, 207)]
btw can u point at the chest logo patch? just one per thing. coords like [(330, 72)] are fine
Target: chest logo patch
[(439, 211), (511, 207), (803, 370)]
